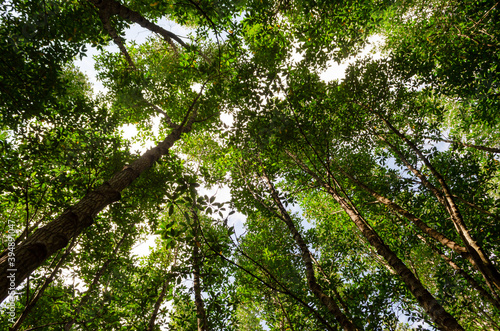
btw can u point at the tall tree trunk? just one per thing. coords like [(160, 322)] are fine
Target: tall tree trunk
[(46, 241), (42, 289), (277, 298), (446, 198), (161, 297), (200, 307), (431, 306), (473, 258), (493, 300), (94, 284), (333, 287), (285, 290), (332, 306), (198, 300), (436, 235), (156, 308)]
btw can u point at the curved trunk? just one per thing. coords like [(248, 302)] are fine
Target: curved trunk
[(198, 300), (493, 300), (436, 235), (432, 307)]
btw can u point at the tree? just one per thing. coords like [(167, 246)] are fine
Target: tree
[(369, 202)]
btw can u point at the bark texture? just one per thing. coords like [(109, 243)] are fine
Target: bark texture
[(198, 300), (494, 301), (110, 8), (436, 235)]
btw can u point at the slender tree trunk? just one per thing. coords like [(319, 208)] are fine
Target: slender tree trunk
[(198, 300), (375, 255), (436, 235), (157, 305), (42, 289), (94, 284), (283, 290), (46, 241), (431, 306), (473, 258), (332, 306), (161, 297), (285, 313), (476, 252), (493, 300), (116, 38), (333, 287), (200, 308)]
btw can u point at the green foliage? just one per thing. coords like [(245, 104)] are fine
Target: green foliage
[(425, 113)]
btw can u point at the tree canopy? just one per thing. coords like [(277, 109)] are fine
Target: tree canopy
[(274, 197)]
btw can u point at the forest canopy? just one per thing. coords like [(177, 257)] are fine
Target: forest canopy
[(273, 197)]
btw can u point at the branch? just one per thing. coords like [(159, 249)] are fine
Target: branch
[(40, 292), (284, 289), (116, 38), (494, 300), (112, 7), (166, 118), (94, 284), (436, 235), (479, 147), (158, 302)]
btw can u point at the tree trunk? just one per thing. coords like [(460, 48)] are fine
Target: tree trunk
[(291, 328), (436, 235), (159, 301), (283, 290), (333, 287), (306, 258), (94, 284), (494, 301), (431, 306), (200, 309), (47, 240), (476, 252)]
